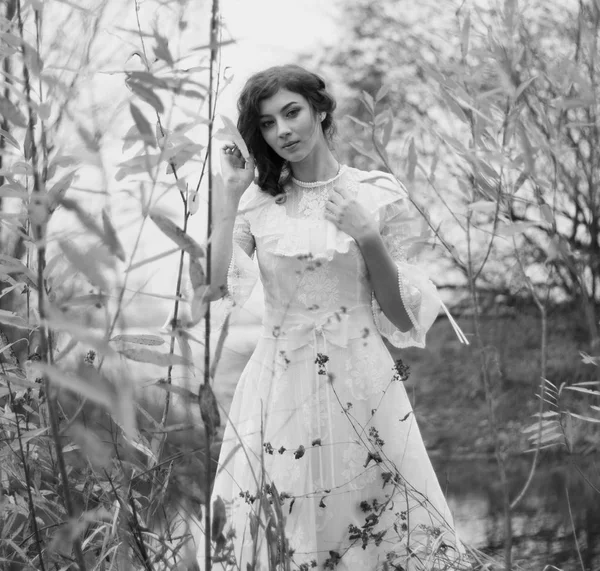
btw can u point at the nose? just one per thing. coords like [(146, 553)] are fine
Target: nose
[(283, 129)]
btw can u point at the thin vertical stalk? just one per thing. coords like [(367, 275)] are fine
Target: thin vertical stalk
[(45, 348), (490, 404), (214, 28)]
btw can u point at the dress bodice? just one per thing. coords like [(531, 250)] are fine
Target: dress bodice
[(310, 268), (322, 280)]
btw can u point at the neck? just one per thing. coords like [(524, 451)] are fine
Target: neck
[(321, 165)]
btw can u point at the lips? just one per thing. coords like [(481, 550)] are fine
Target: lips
[(290, 146)]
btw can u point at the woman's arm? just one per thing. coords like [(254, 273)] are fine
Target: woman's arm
[(384, 278), (224, 213), (237, 174)]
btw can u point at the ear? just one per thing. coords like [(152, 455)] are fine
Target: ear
[(322, 116)]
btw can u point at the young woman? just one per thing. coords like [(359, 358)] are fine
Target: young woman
[(322, 464)]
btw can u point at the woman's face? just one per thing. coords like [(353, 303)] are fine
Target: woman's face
[(290, 126)]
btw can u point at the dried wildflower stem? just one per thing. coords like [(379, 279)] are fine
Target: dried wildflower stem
[(583, 566), (543, 360), (490, 404), (214, 49), (45, 348)]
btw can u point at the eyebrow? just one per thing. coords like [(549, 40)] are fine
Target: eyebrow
[(283, 108)]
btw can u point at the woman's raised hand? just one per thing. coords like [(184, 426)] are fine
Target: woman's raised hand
[(238, 173)]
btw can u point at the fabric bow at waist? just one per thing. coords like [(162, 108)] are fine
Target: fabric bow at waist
[(335, 328)]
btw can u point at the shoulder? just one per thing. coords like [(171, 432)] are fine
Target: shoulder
[(253, 199)]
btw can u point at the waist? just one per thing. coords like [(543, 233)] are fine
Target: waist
[(337, 327)]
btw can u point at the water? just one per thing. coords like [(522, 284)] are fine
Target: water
[(542, 530)]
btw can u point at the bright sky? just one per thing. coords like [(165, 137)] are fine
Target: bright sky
[(273, 32), (267, 32)]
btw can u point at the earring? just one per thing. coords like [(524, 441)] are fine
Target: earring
[(322, 116)]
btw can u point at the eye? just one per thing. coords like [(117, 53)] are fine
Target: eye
[(266, 124), (293, 112)]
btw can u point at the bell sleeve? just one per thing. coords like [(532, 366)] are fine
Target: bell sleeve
[(243, 273), (420, 297)]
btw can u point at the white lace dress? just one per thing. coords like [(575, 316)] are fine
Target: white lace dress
[(322, 464)]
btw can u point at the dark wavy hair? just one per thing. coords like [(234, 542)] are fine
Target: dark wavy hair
[(273, 171)]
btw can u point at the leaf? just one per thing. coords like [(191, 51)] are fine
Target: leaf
[(212, 45), (365, 152), (586, 391), (193, 202), (230, 133), (85, 264), (10, 318), (546, 213), (175, 233), (141, 339), (387, 131), (148, 78), (6, 135), (368, 101), (412, 161), (188, 395), (142, 124), (199, 305), (219, 349), (197, 276), (589, 359), (86, 219), (79, 331), (183, 340), (10, 265), (524, 86), (146, 94), (483, 206), (453, 105), (144, 355), (464, 36), (59, 189), (161, 51), (88, 382), (111, 238), (383, 91), (209, 409), (232, 452), (582, 417), (15, 190), (152, 259), (359, 122), (12, 113), (91, 141), (183, 156), (131, 138), (219, 517), (512, 229)]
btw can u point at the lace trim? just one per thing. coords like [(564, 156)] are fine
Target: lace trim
[(411, 302), (318, 183)]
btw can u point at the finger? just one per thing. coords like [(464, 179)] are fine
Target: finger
[(335, 198), (329, 216), (343, 192), (250, 163), (334, 214)]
